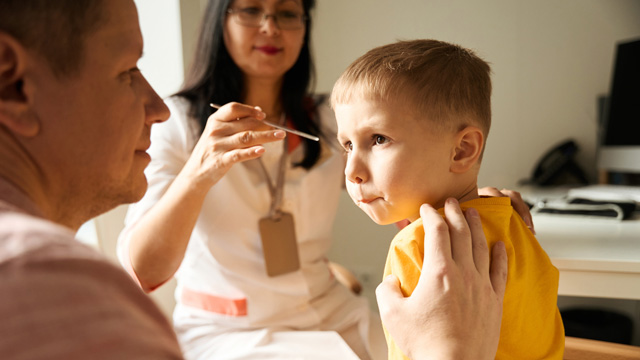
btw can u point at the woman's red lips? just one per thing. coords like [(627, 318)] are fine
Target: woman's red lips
[(269, 50)]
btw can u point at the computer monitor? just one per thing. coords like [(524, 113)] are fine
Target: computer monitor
[(619, 149)]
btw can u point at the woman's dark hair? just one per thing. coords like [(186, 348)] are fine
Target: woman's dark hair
[(215, 78)]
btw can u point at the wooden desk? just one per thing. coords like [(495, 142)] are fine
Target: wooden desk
[(597, 257)]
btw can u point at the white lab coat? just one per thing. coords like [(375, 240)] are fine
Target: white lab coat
[(227, 306)]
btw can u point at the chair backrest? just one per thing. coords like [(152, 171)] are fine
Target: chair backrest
[(585, 349)]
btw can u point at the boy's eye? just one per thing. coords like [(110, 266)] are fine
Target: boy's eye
[(379, 139), (348, 146)]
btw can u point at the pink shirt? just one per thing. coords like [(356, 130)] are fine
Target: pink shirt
[(60, 299)]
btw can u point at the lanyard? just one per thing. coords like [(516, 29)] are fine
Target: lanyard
[(276, 190)]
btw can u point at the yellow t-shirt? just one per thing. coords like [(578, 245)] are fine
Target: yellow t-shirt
[(531, 323)]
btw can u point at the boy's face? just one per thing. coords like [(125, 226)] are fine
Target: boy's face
[(395, 160)]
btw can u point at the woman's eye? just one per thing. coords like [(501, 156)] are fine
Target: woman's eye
[(379, 139), (251, 11), (288, 15)]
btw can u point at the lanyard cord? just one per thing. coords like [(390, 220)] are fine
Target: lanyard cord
[(276, 190)]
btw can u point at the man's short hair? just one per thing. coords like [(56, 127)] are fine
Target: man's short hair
[(55, 29), (448, 84)]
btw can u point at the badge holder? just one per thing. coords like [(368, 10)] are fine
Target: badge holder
[(277, 230)]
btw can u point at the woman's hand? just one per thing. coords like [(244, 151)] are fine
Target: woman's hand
[(516, 201), (230, 137), (455, 311)]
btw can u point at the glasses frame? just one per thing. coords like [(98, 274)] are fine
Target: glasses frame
[(265, 16)]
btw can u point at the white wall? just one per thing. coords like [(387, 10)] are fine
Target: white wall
[(550, 60)]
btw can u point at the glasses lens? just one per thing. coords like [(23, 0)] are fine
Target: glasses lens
[(248, 17), (286, 20)]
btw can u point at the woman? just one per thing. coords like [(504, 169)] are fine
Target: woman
[(200, 217)]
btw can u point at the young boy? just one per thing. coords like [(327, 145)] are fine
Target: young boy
[(413, 118)]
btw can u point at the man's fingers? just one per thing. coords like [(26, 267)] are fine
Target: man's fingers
[(437, 243), (388, 294), (478, 240), (460, 245), (520, 207), (490, 191), (499, 269)]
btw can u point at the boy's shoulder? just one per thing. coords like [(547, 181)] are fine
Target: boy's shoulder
[(491, 209)]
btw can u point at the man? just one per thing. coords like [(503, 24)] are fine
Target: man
[(75, 117)]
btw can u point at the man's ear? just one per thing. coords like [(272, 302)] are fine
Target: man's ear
[(469, 143), (15, 111)]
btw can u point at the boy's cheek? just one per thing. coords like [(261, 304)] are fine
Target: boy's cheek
[(349, 187)]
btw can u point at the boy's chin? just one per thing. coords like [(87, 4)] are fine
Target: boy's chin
[(382, 221)]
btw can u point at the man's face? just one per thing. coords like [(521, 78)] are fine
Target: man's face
[(395, 161), (96, 123)]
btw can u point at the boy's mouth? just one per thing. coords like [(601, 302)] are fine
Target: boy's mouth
[(367, 201)]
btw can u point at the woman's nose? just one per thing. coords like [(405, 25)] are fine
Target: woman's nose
[(269, 24)]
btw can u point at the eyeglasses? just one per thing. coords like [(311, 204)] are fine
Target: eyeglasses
[(253, 17)]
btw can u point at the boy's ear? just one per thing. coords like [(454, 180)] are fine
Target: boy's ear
[(469, 143), (15, 111)]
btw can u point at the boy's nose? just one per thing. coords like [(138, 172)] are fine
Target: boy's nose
[(354, 171)]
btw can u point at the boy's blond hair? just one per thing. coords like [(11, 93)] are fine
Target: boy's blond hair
[(447, 84)]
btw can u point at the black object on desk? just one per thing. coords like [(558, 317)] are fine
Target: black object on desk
[(584, 207), (627, 207)]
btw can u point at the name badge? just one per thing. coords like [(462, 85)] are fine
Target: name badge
[(279, 244)]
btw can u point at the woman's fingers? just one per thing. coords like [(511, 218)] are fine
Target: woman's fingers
[(234, 126), (249, 138), (230, 136), (235, 111)]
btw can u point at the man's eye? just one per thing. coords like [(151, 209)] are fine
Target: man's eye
[(348, 146), (379, 139)]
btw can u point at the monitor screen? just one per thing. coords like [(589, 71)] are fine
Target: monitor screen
[(620, 138)]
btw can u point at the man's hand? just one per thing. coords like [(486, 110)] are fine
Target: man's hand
[(516, 201), (455, 311)]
